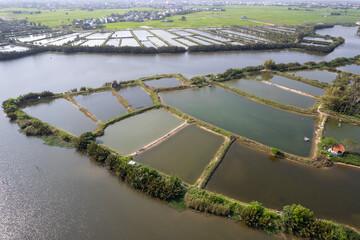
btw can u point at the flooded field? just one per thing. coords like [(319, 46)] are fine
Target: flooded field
[(131, 134), (346, 134), (62, 114), (185, 154), (163, 82), (320, 75), (303, 87), (267, 125), (103, 105), (272, 93), (136, 96), (248, 175), (353, 68)]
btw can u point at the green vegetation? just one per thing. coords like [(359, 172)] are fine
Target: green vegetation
[(276, 152)]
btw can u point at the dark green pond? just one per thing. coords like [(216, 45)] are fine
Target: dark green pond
[(272, 93), (131, 134), (320, 75), (247, 175), (163, 82), (347, 134), (244, 117), (184, 154), (136, 96), (62, 114), (353, 68), (103, 105), (303, 87)]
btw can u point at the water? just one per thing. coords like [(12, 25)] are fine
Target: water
[(267, 125), (136, 96), (246, 175), (163, 82), (94, 69), (352, 68), (131, 134), (272, 93), (320, 75), (185, 154), (103, 105), (343, 132), (54, 193), (62, 114), (303, 87)]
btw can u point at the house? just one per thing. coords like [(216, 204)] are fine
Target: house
[(243, 17), (337, 149)]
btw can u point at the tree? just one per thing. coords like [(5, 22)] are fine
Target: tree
[(183, 18), (297, 220), (269, 64)]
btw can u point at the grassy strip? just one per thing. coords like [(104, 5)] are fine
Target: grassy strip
[(342, 117), (214, 163), (310, 111), (122, 100), (153, 95), (313, 83)]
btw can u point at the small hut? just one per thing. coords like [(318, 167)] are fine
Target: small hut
[(337, 149)]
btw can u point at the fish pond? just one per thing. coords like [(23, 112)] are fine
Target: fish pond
[(352, 68), (319, 75), (237, 114), (62, 114), (272, 93), (163, 82), (136, 96), (293, 84), (131, 134), (346, 134), (103, 105), (246, 174), (185, 154)]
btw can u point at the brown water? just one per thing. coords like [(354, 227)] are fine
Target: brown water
[(247, 175), (185, 154)]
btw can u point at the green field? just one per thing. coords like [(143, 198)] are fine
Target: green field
[(232, 16)]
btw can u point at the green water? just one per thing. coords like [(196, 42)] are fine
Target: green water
[(347, 134), (184, 154), (246, 174), (62, 114), (320, 75), (136, 96), (244, 117), (272, 93), (103, 105), (163, 82), (131, 134), (303, 87)]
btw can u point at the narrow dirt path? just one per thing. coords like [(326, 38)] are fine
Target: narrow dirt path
[(319, 131), (122, 100), (84, 110), (290, 89)]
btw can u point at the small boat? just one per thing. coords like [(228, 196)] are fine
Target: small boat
[(306, 139)]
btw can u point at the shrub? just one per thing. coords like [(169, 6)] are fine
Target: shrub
[(297, 220)]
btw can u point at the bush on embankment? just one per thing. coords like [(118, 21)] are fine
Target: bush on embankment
[(138, 176), (295, 219)]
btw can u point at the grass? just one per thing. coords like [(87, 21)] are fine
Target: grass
[(256, 15)]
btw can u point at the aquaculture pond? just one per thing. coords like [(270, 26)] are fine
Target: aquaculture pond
[(131, 134), (296, 85), (320, 75), (103, 105), (136, 96), (184, 154), (352, 68), (246, 174), (163, 82), (267, 125), (347, 134), (272, 93), (62, 114)]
